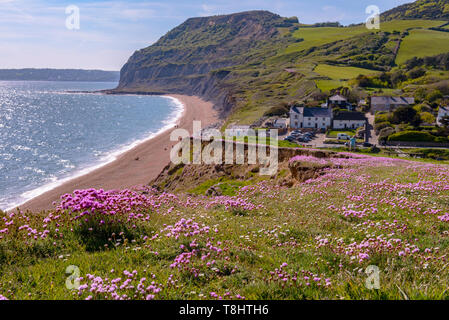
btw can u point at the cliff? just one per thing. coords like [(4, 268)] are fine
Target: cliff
[(191, 59)]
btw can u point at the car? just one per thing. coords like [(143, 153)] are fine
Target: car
[(343, 136)]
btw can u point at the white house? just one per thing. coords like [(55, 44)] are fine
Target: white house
[(349, 120), (442, 112), (338, 100), (317, 118), (281, 123)]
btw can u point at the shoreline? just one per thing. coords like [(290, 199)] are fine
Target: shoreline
[(124, 171)]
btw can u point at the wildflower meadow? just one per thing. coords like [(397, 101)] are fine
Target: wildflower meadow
[(313, 240)]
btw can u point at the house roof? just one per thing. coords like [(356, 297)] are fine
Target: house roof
[(313, 112), (282, 121), (338, 97), (392, 100), (443, 109), (355, 116)]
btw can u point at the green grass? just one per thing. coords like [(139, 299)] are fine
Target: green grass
[(423, 43), (403, 25), (228, 187), (314, 37), (334, 133), (328, 85), (341, 73), (284, 229)]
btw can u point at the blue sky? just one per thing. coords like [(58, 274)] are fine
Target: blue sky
[(33, 33)]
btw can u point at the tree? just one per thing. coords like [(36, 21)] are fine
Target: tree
[(434, 95), (404, 115), (427, 117)]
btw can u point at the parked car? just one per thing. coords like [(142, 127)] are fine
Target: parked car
[(343, 136)]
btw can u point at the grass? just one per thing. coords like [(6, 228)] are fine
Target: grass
[(328, 85), (228, 187), (304, 229), (423, 43), (314, 37), (334, 133), (341, 73)]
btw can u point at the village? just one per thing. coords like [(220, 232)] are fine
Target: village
[(377, 121)]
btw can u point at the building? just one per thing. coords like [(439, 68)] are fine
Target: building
[(388, 104), (349, 120), (442, 112), (338, 100), (317, 118), (281, 123)]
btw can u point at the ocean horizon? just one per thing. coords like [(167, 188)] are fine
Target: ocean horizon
[(49, 136)]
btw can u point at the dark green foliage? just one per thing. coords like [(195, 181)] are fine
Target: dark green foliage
[(438, 62), (404, 115), (415, 136), (96, 231), (367, 51), (281, 109), (421, 9)]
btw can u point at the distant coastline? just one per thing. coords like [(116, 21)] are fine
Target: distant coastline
[(80, 75)]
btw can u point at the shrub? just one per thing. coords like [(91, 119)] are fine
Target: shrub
[(417, 136), (382, 117), (403, 115), (434, 95), (385, 133), (379, 126), (427, 117), (374, 149)]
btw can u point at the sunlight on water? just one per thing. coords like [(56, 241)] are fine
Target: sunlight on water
[(48, 135)]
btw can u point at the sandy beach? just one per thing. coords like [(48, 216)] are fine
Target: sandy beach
[(125, 172)]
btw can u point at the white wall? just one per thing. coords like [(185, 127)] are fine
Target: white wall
[(350, 124)]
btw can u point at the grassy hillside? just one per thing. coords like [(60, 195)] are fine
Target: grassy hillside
[(341, 73), (311, 241), (423, 43), (260, 60), (420, 9)]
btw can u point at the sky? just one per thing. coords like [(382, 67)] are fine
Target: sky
[(35, 33)]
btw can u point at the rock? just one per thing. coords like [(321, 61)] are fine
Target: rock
[(214, 191)]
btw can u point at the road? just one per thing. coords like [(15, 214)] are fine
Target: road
[(372, 137)]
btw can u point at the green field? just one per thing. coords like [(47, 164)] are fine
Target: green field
[(314, 37), (341, 73), (423, 43), (327, 85), (403, 25)]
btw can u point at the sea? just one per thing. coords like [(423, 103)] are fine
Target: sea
[(50, 134)]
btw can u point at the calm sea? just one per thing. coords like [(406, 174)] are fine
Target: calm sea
[(48, 136)]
